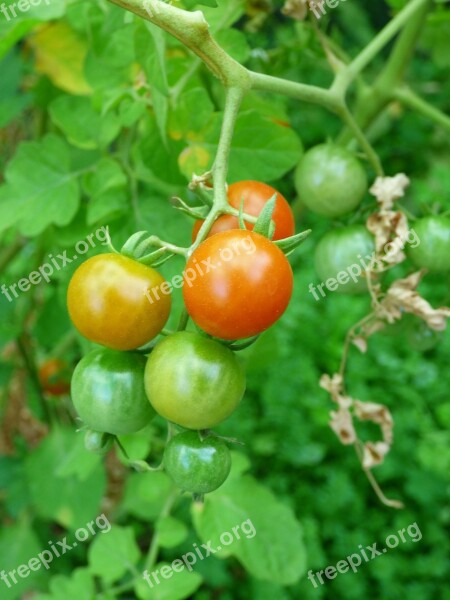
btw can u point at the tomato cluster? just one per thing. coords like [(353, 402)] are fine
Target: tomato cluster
[(236, 284)]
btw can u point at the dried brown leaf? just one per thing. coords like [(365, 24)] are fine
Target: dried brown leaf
[(342, 425), (374, 453), (402, 295), (388, 189)]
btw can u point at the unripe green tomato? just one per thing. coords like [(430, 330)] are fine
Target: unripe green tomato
[(193, 381), (433, 250), (346, 249), (330, 181), (197, 466), (98, 442), (108, 392)]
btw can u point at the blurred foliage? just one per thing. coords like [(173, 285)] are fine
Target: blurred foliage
[(104, 118)]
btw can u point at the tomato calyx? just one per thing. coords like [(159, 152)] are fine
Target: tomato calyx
[(140, 246)]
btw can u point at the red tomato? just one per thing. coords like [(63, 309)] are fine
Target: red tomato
[(255, 195), (237, 284)]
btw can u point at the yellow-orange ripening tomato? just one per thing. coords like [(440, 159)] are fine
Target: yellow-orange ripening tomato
[(237, 284), (118, 302), (255, 196)]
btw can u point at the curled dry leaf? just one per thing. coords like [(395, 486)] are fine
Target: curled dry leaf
[(373, 454), (402, 296), (342, 425), (378, 414), (333, 385), (388, 189), (296, 9), (390, 229)]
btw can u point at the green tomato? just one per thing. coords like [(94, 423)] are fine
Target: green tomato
[(108, 392), (344, 250), (433, 250), (98, 442), (195, 465), (330, 181), (193, 381)]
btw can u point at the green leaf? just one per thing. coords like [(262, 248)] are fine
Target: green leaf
[(270, 542), (261, 150), (113, 554), (40, 187), (12, 100), (62, 499), (155, 57), (193, 3), (19, 543), (235, 43), (180, 585), (79, 585), (146, 494), (78, 461), (171, 531), (83, 126)]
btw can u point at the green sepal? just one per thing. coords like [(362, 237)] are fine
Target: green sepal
[(288, 245), (197, 212), (264, 225)]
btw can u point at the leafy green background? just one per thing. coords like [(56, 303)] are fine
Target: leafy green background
[(104, 119)]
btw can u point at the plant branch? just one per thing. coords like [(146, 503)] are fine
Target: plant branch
[(345, 77), (412, 100), (192, 30)]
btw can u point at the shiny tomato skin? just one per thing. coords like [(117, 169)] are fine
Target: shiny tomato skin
[(433, 249), (340, 249), (330, 180), (53, 377), (255, 195), (245, 284), (193, 381), (108, 392), (108, 305), (195, 465)]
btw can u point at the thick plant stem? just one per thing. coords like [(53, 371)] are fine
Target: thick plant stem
[(299, 91), (220, 167), (375, 98), (371, 155), (412, 100), (192, 30), (347, 75)]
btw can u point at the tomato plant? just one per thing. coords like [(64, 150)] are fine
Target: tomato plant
[(108, 392), (330, 180), (125, 125), (193, 381), (245, 287), (108, 303), (433, 249), (197, 465), (54, 377), (254, 195)]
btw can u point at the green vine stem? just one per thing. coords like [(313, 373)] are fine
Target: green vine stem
[(373, 99), (412, 100)]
